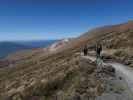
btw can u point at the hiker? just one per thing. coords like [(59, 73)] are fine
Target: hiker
[(98, 48), (85, 50)]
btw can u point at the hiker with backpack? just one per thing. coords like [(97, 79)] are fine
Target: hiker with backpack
[(85, 50), (98, 50)]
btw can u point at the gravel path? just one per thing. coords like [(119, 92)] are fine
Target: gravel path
[(126, 72)]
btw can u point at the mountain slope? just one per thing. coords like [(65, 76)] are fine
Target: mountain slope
[(44, 74), (117, 41)]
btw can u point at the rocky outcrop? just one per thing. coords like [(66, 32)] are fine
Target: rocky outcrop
[(58, 45)]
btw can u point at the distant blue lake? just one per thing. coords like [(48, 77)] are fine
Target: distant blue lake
[(11, 47)]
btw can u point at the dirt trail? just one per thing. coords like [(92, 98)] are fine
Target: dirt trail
[(127, 72)]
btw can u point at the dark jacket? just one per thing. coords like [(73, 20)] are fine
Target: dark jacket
[(98, 48)]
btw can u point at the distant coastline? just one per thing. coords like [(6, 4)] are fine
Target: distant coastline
[(7, 47)]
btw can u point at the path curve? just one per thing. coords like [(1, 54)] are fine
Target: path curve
[(127, 72)]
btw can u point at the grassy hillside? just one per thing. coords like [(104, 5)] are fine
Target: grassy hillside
[(43, 75), (117, 41)]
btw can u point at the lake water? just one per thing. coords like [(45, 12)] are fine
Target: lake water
[(11, 47)]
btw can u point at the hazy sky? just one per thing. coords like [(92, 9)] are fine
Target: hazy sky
[(54, 19)]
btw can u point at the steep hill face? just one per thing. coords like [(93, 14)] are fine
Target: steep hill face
[(115, 36), (45, 74), (118, 36), (117, 41)]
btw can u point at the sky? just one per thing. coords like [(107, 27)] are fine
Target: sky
[(56, 19)]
